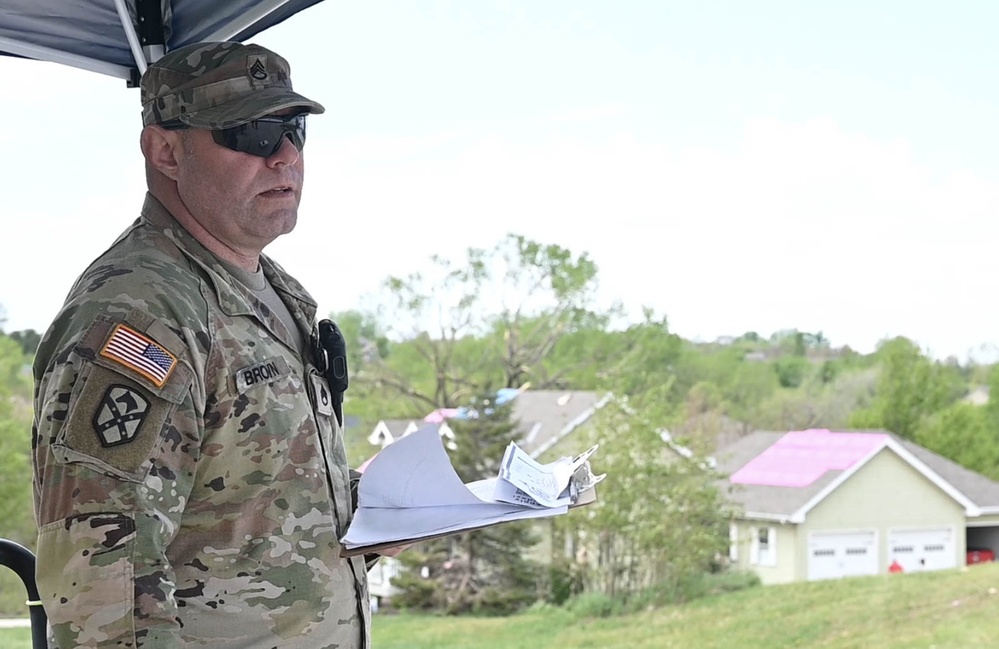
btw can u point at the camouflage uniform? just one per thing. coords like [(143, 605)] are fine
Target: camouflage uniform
[(190, 484)]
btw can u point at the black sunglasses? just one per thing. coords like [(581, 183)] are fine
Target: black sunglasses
[(261, 137)]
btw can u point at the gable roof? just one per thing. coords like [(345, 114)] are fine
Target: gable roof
[(975, 493), (387, 431), (981, 491), (544, 417)]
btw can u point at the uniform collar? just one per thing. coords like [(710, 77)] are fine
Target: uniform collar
[(233, 298)]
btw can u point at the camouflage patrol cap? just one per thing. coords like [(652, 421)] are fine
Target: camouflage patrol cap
[(218, 85)]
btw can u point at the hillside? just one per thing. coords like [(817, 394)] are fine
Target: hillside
[(944, 610)]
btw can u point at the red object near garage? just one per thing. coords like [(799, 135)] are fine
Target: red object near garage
[(980, 555)]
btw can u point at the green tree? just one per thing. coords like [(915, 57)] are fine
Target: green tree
[(627, 361), (792, 371), (992, 406), (366, 343), (490, 319), (648, 355), (485, 571), (965, 434), (15, 445), (367, 346), (702, 398), (816, 403), (790, 341), (748, 386), (910, 387), (658, 520), (16, 519), (28, 339)]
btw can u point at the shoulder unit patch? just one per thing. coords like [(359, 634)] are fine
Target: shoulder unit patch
[(119, 415), (128, 347)]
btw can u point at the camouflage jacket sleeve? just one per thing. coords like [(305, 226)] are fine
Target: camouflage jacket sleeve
[(117, 438)]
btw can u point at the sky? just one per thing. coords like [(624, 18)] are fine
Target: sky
[(734, 166)]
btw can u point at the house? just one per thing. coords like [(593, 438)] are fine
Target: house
[(817, 504), (543, 419), (387, 431), (546, 417), (979, 396)]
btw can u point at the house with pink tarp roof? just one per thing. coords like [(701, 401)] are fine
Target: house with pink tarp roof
[(819, 504)]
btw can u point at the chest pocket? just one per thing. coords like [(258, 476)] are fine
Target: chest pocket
[(331, 439)]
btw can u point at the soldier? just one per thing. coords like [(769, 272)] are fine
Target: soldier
[(190, 481)]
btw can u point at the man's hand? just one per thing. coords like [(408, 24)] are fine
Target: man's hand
[(394, 550)]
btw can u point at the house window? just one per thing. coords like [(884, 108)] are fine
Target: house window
[(764, 546), (733, 542), (764, 536)]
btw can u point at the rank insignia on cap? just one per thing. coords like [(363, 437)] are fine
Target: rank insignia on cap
[(257, 66), (120, 415), (138, 353)]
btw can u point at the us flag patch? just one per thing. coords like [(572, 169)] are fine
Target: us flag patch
[(128, 347)]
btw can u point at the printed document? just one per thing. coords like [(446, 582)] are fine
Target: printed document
[(410, 492)]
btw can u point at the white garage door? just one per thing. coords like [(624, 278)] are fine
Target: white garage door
[(917, 550), (832, 555)]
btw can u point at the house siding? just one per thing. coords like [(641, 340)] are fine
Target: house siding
[(786, 540), (884, 495)]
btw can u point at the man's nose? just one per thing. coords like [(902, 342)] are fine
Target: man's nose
[(287, 153)]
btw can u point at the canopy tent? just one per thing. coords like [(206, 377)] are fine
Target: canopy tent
[(120, 37)]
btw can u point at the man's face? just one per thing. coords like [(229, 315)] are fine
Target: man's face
[(243, 200)]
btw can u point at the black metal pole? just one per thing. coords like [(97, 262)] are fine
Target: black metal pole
[(150, 28), (20, 559), (151, 33)]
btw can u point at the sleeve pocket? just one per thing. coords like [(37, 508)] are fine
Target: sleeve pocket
[(85, 578), (114, 425)]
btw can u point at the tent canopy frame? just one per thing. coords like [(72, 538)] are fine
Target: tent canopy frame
[(148, 29)]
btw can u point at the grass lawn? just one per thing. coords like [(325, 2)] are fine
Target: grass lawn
[(955, 609), (15, 638), (943, 610)]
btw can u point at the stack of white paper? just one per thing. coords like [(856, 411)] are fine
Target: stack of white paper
[(410, 491)]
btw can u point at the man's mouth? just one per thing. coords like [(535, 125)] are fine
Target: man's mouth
[(278, 191)]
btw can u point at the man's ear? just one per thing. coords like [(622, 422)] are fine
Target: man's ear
[(162, 149)]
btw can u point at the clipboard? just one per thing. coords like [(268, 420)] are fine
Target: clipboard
[(585, 498)]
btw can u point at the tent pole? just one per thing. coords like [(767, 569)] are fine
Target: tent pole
[(151, 32), (133, 38)]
